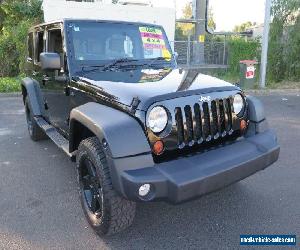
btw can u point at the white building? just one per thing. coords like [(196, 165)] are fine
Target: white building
[(126, 10)]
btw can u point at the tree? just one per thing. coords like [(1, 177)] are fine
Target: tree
[(179, 35), (187, 28), (243, 27), (16, 16), (284, 41), (211, 20)]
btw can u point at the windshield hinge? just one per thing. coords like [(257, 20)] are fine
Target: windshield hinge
[(134, 104)]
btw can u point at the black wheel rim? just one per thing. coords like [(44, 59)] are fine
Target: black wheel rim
[(91, 188), (29, 121)]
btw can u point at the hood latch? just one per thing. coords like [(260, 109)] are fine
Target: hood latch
[(134, 105)]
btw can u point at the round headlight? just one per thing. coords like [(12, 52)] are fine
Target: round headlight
[(238, 104), (158, 119)]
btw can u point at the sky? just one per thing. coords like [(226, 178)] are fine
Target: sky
[(227, 13)]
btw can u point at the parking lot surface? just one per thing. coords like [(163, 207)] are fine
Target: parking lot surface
[(40, 208)]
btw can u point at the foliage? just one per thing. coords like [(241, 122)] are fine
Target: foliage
[(186, 28), (9, 84), (179, 35), (243, 27), (241, 49), (211, 20), (284, 41), (183, 30), (16, 16)]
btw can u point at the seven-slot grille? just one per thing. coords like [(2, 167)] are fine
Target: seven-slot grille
[(204, 121)]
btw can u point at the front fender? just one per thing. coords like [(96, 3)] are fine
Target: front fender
[(122, 133)]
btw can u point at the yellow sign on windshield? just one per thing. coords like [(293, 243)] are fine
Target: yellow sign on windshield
[(153, 39)]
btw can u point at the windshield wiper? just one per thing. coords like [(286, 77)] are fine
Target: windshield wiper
[(106, 67), (92, 67), (118, 61)]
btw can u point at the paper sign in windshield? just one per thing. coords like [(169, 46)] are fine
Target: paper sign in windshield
[(153, 39)]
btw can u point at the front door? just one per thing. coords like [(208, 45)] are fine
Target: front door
[(54, 85)]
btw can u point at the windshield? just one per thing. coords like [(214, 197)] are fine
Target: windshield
[(93, 42)]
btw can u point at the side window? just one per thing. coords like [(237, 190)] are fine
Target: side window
[(30, 46), (55, 43), (39, 45)]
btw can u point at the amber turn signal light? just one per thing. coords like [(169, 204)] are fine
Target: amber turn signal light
[(243, 125), (158, 148)]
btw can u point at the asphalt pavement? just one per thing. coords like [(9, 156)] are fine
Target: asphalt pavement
[(40, 208)]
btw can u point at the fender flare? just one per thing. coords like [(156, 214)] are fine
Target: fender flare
[(122, 134), (256, 116), (256, 109), (31, 88)]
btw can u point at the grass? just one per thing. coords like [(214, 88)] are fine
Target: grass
[(284, 85), (10, 84)]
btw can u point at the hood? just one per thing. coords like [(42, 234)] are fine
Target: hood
[(152, 85)]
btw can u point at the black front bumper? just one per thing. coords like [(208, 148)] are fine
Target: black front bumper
[(186, 178)]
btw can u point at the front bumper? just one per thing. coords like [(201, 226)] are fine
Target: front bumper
[(190, 177)]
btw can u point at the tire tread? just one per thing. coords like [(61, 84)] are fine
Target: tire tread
[(122, 211)]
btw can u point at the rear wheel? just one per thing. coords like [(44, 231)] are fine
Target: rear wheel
[(35, 132), (106, 211)]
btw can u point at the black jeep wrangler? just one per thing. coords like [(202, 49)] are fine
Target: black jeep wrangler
[(111, 96)]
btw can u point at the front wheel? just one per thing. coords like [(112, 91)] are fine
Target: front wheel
[(106, 211)]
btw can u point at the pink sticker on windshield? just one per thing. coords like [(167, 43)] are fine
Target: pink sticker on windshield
[(151, 35)]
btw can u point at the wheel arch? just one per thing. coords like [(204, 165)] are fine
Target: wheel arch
[(121, 134), (79, 132), (31, 89)]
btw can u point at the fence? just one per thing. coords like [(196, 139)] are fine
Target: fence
[(209, 54)]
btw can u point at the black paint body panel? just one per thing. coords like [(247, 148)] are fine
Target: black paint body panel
[(113, 105)]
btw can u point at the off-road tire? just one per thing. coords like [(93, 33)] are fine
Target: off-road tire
[(35, 132), (117, 213)]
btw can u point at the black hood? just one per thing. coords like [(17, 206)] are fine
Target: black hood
[(152, 85)]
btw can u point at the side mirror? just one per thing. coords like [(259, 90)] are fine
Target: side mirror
[(50, 61)]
